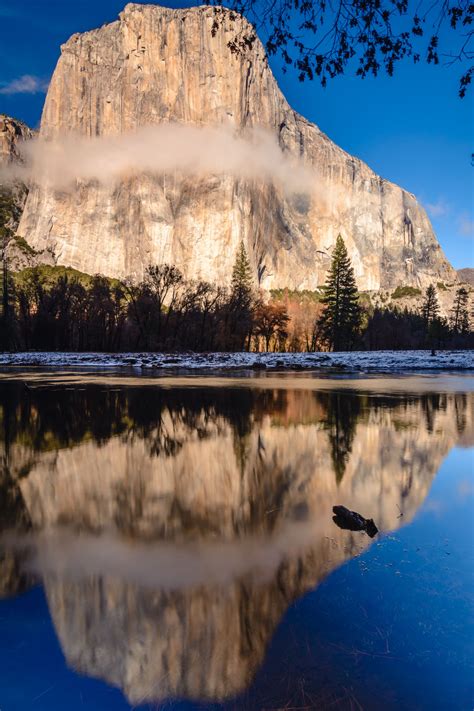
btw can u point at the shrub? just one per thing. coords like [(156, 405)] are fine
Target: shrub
[(405, 291)]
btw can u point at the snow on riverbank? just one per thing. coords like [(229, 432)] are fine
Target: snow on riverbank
[(364, 361)]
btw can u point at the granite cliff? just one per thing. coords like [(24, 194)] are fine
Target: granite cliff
[(13, 134), (466, 276), (156, 65)]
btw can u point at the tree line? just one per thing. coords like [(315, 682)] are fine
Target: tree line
[(166, 312)]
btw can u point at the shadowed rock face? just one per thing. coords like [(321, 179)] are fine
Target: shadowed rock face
[(203, 514), (13, 134), (156, 65)]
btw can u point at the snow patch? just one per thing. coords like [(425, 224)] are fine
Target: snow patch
[(362, 361)]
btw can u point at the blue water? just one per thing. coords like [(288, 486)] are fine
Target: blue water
[(390, 628), (393, 627)]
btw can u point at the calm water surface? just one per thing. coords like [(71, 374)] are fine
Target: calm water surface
[(171, 544)]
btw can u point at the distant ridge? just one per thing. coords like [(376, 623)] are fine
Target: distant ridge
[(466, 275)]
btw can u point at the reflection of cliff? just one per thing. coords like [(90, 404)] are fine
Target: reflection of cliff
[(221, 506)]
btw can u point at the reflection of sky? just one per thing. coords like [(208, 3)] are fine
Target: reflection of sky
[(393, 624), (397, 621)]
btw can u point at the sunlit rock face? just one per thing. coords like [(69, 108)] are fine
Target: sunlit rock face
[(13, 134), (204, 514), (156, 65)]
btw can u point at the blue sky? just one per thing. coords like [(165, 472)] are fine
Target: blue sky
[(412, 128)]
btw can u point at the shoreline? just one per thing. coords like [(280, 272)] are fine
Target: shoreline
[(353, 362)]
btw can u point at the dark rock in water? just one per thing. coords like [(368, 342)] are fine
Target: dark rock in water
[(370, 528), (353, 521), (258, 365)]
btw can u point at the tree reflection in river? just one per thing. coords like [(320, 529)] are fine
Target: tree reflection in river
[(172, 527)]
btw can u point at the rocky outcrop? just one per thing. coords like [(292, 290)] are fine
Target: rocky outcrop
[(466, 275), (13, 134), (157, 65)]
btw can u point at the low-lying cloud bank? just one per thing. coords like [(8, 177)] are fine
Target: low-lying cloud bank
[(161, 149)]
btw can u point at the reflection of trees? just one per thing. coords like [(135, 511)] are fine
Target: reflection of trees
[(431, 403), (460, 412), (342, 412), (47, 419), (107, 627), (13, 513)]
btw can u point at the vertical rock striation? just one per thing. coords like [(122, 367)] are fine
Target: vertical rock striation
[(157, 65)]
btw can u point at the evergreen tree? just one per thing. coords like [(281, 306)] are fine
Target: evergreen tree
[(430, 314), (241, 304), (459, 314), (341, 318), (241, 284), (430, 306)]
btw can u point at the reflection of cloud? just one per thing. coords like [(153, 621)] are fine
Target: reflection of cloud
[(26, 84), (466, 225), (465, 488), (434, 506), (169, 566), (438, 208)]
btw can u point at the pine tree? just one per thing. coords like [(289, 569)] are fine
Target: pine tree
[(241, 284), (241, 302), (459, 314), (430, 315), (430, 306), (341, 318)]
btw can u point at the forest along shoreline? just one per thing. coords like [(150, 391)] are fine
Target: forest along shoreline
[(60, 309)]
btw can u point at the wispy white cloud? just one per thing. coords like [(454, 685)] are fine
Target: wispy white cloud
[(163, 149), (26, 84), (466, 225), (438, 208)]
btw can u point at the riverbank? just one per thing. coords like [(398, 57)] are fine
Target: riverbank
[(360, 361)]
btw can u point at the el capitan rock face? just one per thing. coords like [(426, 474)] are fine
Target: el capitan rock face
[(157, 65)]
